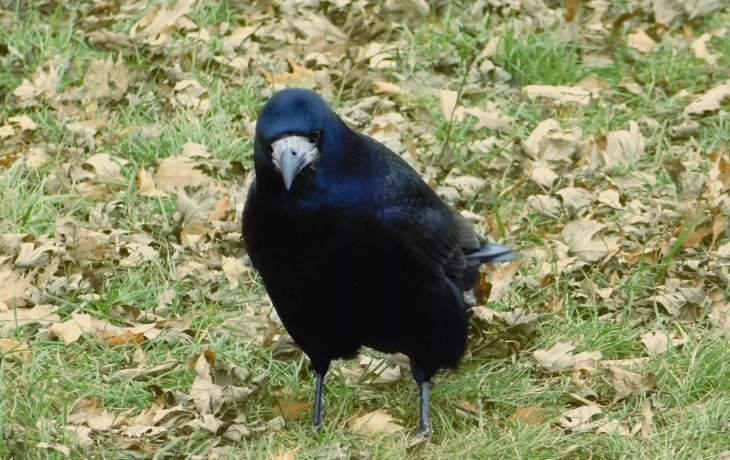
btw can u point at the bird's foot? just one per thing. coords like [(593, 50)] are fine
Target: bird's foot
[(417, 440), (423, 432)]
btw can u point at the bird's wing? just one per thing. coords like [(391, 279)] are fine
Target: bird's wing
[(436, 236), (436, 233)]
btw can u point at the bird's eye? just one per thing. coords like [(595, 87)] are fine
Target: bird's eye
[(314, 137)]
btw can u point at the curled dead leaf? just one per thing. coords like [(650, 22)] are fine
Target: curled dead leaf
[(177, 172), (579, 419), (558, 358), (125, 337), (146, 184), (299, 77), (71, 330), (709, 101), (640, 41), (376, 422), (585, 240), (560, 94), (627, 383), (658, 342)]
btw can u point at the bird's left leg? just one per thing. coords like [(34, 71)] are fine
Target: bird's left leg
[(423, 379), (320, 370)]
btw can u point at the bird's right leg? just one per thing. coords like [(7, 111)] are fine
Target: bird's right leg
[(320, 370), (423, 379)]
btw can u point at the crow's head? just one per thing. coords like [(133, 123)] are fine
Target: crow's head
[(292, 130)]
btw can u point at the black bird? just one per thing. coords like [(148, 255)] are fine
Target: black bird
[(354, 248)]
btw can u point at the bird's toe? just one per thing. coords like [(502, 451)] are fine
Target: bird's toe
[(417, 440)]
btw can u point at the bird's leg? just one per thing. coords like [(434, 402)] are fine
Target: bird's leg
[(317, 422), (424, 426), (424, 381), (320, 371)]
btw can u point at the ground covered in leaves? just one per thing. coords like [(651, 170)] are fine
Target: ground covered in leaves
[(592, 136)]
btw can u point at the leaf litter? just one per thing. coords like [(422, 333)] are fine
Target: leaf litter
[(606, 204)]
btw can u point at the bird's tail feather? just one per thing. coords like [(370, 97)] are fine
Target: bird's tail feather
[(491, 253)]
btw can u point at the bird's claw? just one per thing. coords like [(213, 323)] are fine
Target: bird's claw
[(417, 440), (423, 432)]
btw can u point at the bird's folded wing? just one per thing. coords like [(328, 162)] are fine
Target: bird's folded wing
[(435, 234)]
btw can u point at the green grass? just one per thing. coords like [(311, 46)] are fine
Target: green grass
[(693, 389)]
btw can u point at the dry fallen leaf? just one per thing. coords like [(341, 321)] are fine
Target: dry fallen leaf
[(579, 419), (125, 337), (17, 317), (147, 185), (447, 102), (177, 172), (718, 225), (585, 240), (658, 342), (699, 45), (299, 77), (23, 122), (36, 157), (560, 94), (491, 118), (546, 205), (65, 450), (627, 383), (710, 101), (11, 348), (191, 234), (71, 330), (290, 409), (501, 280), (384, 87), (188, 95), (289, 455), (105, 78), (372, 371), (99, 419), (44, 83), (193, 149), (12, 288), (624, 148), (79, 435), (576, 201), (640, 41), (542, 176), (160, 20), (201, 363), (559, 359), (107, 168), (647, 425), (377, 421), (143, 373), (530, 415)]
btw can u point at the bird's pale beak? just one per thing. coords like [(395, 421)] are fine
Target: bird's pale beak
[(291, 155), (291, 165)]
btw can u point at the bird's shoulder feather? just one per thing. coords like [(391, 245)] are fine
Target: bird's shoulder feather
[(437, 234)]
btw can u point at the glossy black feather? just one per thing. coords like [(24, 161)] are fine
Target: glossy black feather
[(360, 251)]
